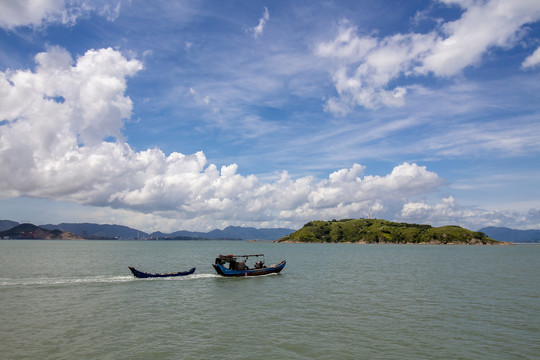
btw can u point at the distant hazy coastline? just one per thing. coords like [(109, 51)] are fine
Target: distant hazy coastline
[(91, 231)]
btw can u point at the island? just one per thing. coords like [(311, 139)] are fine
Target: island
[(377, 231)]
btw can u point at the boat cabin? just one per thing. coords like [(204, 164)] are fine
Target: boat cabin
[(239, 262)]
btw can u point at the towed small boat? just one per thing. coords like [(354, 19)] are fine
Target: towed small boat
[(140, 274), (235, 265)]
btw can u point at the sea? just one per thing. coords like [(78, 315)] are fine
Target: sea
[(78, 300)]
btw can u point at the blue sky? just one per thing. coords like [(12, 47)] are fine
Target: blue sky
[(170, 115)]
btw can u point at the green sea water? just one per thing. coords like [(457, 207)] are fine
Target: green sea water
[(78, 300)]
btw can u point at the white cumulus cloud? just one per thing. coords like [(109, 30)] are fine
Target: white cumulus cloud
[(448, 212), (15, 13), (364, 66), (532, 60), (55, 120)]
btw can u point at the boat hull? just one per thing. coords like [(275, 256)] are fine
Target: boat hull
[(223, 271), (142, 275)]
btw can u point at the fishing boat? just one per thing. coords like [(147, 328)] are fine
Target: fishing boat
[(140, 274), (235, 265)]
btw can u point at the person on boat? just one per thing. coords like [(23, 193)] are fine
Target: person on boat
[(241, 265)]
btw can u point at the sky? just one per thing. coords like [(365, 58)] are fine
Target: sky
[(196, 115)]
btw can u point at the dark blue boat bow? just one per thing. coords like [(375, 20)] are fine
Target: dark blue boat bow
[(140, 274)]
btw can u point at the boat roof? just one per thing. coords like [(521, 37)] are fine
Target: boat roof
[(231, 256)]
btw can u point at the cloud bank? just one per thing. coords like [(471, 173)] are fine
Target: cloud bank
[(61, 138), (366, 67), (467, 216)]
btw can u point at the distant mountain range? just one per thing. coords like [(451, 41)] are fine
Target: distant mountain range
[(7, 224), (31, 231), (512, 235), (97, 231)]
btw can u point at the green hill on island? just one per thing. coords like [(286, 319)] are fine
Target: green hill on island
[(30, 231), (376, 231)]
